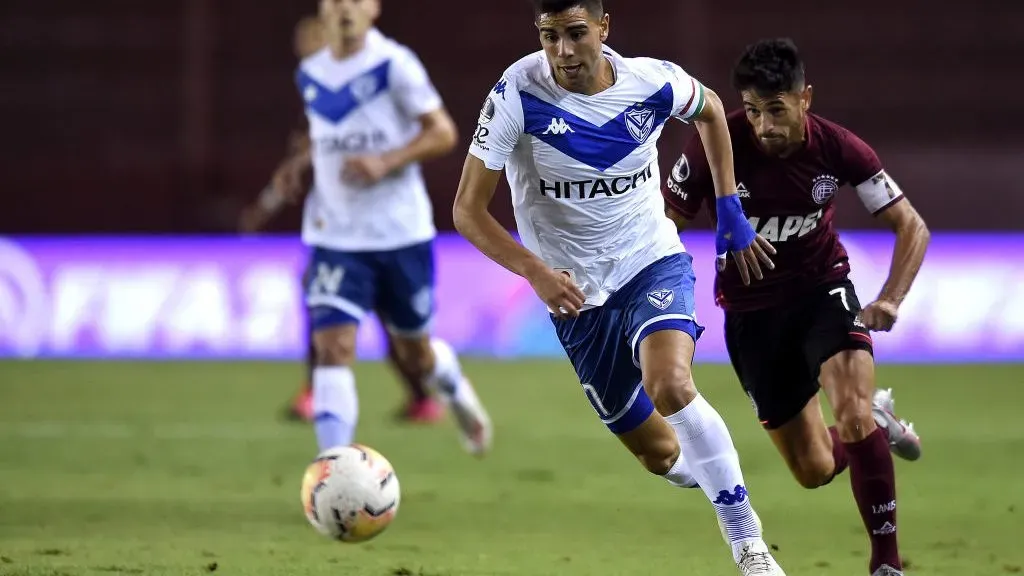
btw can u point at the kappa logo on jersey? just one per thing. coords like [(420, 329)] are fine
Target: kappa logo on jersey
[(661, 298), (798, 226), (559, 127), (824, 188), (499, 88), (640, 123)]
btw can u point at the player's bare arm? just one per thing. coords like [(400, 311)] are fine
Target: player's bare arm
[(912, 238), (288, 176), (437, 137), (750, 251), (474, 222), (714, 134), (285, 186)]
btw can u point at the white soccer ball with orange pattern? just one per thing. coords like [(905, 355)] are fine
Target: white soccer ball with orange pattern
[(350, 493)]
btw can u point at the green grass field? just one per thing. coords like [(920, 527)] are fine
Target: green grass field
[(184, 469)]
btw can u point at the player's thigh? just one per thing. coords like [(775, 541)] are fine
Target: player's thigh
[(766, 351), (842, 346), (806, 446), (661, 330), (340, 290), (405, 299), (665, 365)]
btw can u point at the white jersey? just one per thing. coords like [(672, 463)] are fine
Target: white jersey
[(367, 103), (584, 169)]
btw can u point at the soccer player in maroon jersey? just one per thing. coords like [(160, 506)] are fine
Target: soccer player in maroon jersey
[(802, 327), (420, 405)]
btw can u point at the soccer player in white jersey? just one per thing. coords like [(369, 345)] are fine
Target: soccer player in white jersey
[(420, 406), (575, 127), (373, 116)]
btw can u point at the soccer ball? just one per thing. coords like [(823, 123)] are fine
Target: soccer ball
[(350, 493)]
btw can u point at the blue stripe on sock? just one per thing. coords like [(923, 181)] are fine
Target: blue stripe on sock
[(332, 431), (739, 521)]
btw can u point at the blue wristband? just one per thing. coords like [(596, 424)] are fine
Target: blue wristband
[(734, 232)]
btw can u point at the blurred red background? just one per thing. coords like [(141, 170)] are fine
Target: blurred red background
[(126, 116)]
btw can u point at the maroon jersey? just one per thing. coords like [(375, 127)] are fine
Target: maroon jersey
[(789, 201)]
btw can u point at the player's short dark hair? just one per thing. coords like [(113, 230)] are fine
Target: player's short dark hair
[(593, 7), (769, 67)]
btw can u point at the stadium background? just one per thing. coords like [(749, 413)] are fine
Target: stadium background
[(163, 119)]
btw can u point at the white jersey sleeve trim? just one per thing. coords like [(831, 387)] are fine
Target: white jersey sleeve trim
[(878, 192), (689, 94), (499, 125)]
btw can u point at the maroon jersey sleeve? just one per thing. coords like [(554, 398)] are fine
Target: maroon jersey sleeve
[(860, 163), (689, 184)]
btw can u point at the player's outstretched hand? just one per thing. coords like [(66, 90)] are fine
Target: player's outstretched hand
[(749, 259), (880, 315), (735, 235), (558, 291), (365, 170)]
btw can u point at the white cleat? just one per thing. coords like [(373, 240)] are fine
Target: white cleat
[(473, 420), (903, 439), (756, 560), (886, 570)]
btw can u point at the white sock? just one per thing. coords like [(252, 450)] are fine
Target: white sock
[(680, 475), (335, 406), (707, 447), (447, 377)]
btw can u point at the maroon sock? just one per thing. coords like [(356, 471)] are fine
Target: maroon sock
[(839, 456), (874, 488)]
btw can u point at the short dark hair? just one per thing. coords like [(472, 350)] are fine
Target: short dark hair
[(769, 67), (594, 7)]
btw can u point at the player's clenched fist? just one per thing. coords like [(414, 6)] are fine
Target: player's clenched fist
[(558, 291), (880, 315), (365, 170)]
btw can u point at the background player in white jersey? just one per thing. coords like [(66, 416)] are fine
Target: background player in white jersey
[(575, 126), (420, 406), (373, 116)]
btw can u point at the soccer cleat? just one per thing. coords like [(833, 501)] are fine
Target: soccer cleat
[(301, 407), (425, 411), (903, 440), (756, 560), (472, 418), (886, 570)]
